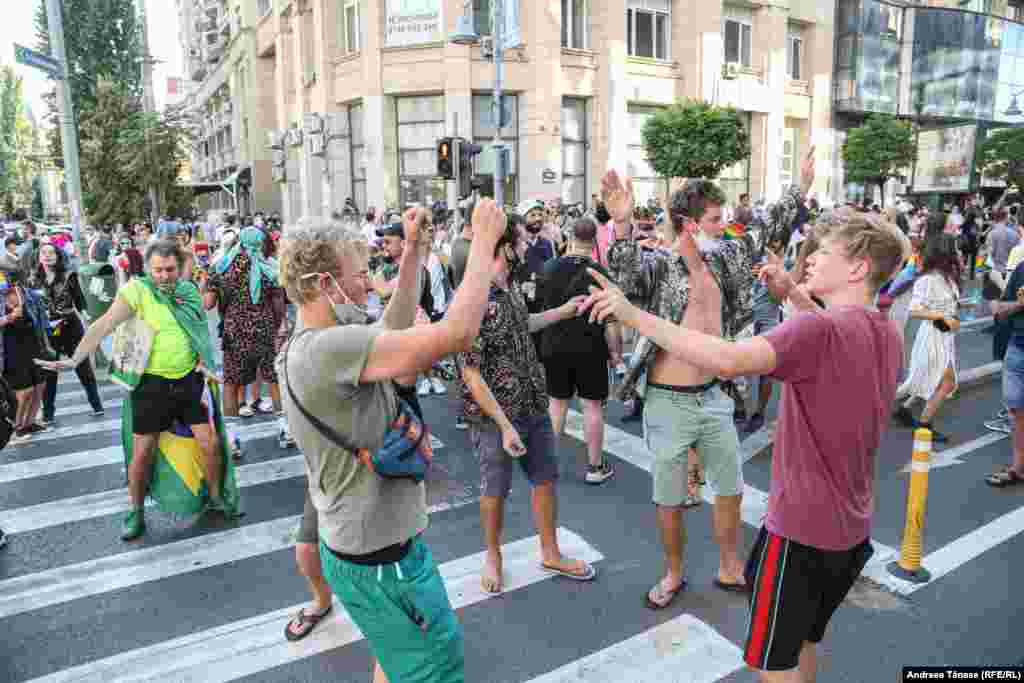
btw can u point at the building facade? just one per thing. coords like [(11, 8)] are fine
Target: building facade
[(231, 103), (362, 90), (955, 67)]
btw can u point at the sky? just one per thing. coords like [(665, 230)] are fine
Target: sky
[(18, 27)]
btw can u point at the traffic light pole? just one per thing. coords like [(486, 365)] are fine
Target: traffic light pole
[(66, 111), (498, 31)]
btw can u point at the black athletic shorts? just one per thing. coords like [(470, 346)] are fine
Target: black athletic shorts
[(157, 402), (796, 589), (577, 374)]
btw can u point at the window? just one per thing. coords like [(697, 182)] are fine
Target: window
[(484, 130), (788, 160), (482, 15), (574, 151), (357, 154), (794, 57), (263, 7), (420, 122), (648, 25), (646, 182), (576, 24), (351, 27), (738, 38)]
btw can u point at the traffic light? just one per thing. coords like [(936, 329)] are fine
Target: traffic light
[(467, 150), (445, 167)]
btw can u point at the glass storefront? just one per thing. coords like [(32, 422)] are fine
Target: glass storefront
[(420, 125), (483, 135)]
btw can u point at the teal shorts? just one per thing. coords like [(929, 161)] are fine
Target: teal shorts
[(404, 612)]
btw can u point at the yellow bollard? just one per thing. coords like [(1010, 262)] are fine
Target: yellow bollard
[(908, 567)]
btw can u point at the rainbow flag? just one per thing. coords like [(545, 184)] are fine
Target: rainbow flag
[(178, 483), (734, 231)]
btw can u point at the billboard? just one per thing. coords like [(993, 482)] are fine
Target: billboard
[(945, 157), (413, 22)]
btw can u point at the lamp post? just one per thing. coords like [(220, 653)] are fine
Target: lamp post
[(1014, 108), (465, 34)]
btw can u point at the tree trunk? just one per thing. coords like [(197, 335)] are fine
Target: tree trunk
[(881, 193)]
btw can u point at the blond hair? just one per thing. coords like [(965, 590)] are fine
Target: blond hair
[(870, 237), (317, 245)]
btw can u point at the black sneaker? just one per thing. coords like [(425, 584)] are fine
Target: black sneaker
[(599, 474), (3, 538), (904, 415)]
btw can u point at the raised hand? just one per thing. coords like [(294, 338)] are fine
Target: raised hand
[(807, 171), (414, 222), (617, 196), (488, 221)]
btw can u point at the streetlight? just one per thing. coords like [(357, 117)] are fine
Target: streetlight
[(465, 34), (1014, 108)]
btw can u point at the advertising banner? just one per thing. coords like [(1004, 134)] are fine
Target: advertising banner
[(944, 159), (413, 22)]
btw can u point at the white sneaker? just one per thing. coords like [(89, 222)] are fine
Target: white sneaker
[(599, 474), (424, 387), (245, 410), (265, 406), (439, 387), (17, 438)]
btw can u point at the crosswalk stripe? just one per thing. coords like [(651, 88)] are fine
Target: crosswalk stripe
[(75, 396), (663, 653), (41, 467), (112, 502), (114, 572), (247, 647), (111, 426)]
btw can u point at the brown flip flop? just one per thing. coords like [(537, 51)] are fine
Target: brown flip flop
[(663, 597), (307, 621)]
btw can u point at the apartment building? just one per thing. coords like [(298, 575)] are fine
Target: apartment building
[(231, 103), (362, 90)]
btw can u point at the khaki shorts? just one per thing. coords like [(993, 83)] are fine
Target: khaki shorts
[(674, 422)]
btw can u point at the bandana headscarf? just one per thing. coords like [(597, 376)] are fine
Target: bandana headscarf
[(251, 242)]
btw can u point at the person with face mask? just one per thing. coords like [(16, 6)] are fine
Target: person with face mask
[(243, 285), (343, 371), (64, 298), (171, 390)]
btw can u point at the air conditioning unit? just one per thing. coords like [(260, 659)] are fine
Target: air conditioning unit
[(336, 125), (276, 139), (730, 71), (312, 123)]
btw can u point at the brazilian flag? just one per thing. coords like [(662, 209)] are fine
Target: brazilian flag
[(177, 482)]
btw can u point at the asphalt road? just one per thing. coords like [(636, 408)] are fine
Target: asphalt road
[(207, 601)]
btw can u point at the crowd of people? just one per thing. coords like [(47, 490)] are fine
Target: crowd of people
[(675, 309)]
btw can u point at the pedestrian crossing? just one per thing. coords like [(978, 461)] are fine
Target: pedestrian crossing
[(95, 577)]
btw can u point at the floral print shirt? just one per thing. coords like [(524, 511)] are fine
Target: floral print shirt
[(506, 358)]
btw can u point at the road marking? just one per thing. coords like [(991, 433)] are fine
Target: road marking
[(982, 373), (41, 467), (111, 426), (112, 502), (683, 649), (951, 456), (114, 572), (250, 646), (68, 398)]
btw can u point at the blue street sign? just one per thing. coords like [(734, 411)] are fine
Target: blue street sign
[(38, 60)]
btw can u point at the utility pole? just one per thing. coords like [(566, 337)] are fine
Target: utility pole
[(148, 98), (500, 160), (66, 111)]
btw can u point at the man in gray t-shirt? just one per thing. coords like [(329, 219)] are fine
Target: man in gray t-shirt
[(458, 259)]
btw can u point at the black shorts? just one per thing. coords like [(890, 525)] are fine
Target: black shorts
[(796, 589), (577, 374), (24, 374), (158, 402)]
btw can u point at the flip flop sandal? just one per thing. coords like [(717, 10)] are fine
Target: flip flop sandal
[(1003, 478), (307, 621), (664, 598), (732, 587), (587, 575)]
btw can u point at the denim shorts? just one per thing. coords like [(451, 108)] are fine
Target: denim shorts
[(1013, 375), (404, 612), (675, 422), (538, 464)]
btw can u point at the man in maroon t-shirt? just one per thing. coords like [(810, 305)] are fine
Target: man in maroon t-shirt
[(816, 537)]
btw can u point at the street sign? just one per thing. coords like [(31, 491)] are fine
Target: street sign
[(548, 176), (29, 57)]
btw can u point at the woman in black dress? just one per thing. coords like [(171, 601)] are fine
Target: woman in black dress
[(21, 349), (63, 295)]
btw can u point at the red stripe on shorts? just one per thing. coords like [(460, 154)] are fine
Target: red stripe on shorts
[(764, 605)]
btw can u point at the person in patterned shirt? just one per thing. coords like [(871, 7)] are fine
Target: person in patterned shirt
[(505, 400), (707, 289)]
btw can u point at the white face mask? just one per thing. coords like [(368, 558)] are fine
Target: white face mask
[(347, 312)]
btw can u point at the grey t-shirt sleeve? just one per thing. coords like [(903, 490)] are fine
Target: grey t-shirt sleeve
[(343, 351), (459, 258)]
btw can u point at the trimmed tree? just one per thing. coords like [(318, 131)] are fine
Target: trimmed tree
[(694, 139), (879, 150), (1001, 156), (38, 210)]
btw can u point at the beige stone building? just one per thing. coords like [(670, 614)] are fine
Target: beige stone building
[(355, 93)]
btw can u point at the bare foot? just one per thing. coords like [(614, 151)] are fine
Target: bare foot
[(491, 577), (731, 581)]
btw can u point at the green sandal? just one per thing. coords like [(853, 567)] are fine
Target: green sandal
[(133, 526)]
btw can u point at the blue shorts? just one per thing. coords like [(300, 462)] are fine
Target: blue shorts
[(1013, 376), (404, 612)]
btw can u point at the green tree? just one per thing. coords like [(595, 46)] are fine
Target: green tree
[(102, 41), (153, 148), (38, 210), (1001, 156), (10, 111), (880, 149), (693, 139)]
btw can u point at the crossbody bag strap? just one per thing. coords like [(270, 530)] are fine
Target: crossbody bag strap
[(325, 430)]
